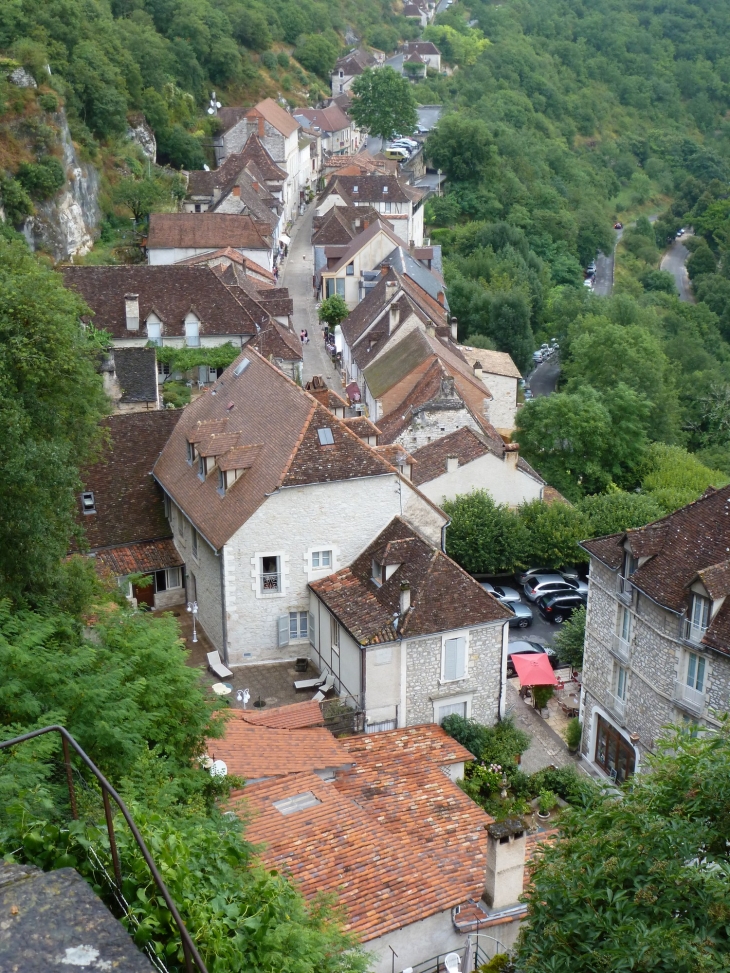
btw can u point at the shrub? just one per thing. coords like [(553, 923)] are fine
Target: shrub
[(42, 179), (176, 394), (48, 102), (15, 200), (541, 695), (547, 801), (282, 59), (573, 733), (268, 59)]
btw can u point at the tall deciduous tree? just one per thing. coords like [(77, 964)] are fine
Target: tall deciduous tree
[(484, 537), (383, 103), (640, 884), (333, 310), (554, 531), (462, 147), (609, 513), (51, 399)]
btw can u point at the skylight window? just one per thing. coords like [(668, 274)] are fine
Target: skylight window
[(88, 504), (355, 189), (385, 189), (241, 367), (300, 802), (325, 436)]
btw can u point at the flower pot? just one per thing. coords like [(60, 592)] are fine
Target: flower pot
[(543, 817)]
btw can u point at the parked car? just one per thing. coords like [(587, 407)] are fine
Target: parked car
[(521, 614), (537, 357), (552, 584), (500, 593), (556, 608), (529, 648), (528, 395), (680, 233), (400, 155), (588, 282), (618, 226), (406, 141), (521, 577)]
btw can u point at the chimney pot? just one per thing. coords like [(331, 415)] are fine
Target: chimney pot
[(131, 311), (236, 190), (478, 373), (454, 330), (440, 298), (452, 464), (512, 454), (405, 597), (505, 863)]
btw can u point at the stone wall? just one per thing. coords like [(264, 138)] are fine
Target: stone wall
[(425, 690), (203, 579), (430, 424)]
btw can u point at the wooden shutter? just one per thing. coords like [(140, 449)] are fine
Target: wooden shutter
[(311, 629), (454, 658), (283, 630)]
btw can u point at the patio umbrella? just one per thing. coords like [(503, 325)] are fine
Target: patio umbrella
[(534, 670)]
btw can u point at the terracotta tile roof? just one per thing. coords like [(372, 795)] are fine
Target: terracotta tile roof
[(329, 120), (129, 506), (396, 455), (369, 187), (716, 579), (203, 182), (428, 740), (355, 62), (254, 750), (268, 408), (275, 115), (277, 342), (679, 548), (169, 292), (139, 558), (294, 716), (361, 241), (206, 230), (549, 494), (464, 444), (256, 153), (492, 362), (395, 839), (421, 47), (443, 596), (339, 225), (361, 426), (426, 389), (227, 253)]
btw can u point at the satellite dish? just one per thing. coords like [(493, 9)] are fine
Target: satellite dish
[(218, 769), (211, 111), (207, 168)]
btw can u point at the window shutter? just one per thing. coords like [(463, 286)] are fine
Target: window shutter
[(283, 630), (450, 659), (460, 657), (311, 629)]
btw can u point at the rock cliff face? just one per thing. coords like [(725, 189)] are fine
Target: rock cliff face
[(66, 224)]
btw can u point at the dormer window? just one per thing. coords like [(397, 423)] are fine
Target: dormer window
[(385, 189), (191, 454), (192, 330), (88, 504), (355, 189), (201, 467), (154, 330), (378, 573)]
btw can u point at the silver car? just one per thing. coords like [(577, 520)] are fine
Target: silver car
[(504, 595), (521, 614), (550, 584)]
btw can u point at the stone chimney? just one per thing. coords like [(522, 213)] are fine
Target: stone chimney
[(131, 311), (405, 597), (430, 329), (452, 464), (236, 191), (505, 863), (440, 298), (384, 268), (317, 388), (478, 373), (394, 318), (454, 330), (511, 454)]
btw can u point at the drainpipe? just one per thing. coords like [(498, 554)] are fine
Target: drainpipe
[(224, 624), (503, 672), (443, 535)]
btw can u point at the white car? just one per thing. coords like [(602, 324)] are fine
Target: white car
[(553, 584), (500, 593)]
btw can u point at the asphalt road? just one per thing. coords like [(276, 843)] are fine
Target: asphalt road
[(540, 630), (604, 270), (674, 260), (545, 377)]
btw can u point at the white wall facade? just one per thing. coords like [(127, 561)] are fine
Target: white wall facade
[(503, 407), (504, 482), (158, 256)]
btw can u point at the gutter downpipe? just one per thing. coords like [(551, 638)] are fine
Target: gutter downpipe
[(224, 623), (443, 535)]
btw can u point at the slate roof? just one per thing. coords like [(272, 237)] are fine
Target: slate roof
[(255, 152), (355, 62), (360, 241), (136, 371), (255, 751), (206, 230), (361, 426), (339, 225), (429, 281), (293, 716), (223, 254), (202, 182), (129, 507), (421, 47), (329, 120), (277, 342), (169, 292), (139, 558), (443, 596), (370, 188), (684, 545), (264, 407), (394, 839)]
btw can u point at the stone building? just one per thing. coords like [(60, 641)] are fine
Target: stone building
[(657, 646), (409, 634), (266, 491)]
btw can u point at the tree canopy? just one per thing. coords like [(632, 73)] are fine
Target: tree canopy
[(383, 103)]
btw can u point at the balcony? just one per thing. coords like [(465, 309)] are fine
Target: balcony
[(616, 705), (620, 648), (271, 583), (625, 591), (692, 632), (688, 698)]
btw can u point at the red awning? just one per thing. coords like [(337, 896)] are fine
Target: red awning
[(534, 669)]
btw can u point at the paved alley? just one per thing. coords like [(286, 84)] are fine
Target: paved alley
[(296, 274)]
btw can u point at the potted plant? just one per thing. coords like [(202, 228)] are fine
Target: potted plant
[(573, 734), (546, 801), (541, 695)]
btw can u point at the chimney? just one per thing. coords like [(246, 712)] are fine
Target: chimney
[(452, 464), (478, 373), (262, 127), (511, 454), (394, 317), (430, 329), (440, 298), (405, 597), (236, 191), (506, 843), (255, 186), (454, 330), (384, 268), (131, 310)]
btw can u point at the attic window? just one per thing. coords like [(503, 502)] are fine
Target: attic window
[(355, 189), (241, 367), (385, 189), (300, 802), (88, 504), (378, 573), (325, 436), (191, 453)]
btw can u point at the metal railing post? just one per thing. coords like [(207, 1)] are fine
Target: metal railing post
[(112, 838), (69, 778)]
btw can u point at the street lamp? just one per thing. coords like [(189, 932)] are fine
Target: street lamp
[(193, 608)]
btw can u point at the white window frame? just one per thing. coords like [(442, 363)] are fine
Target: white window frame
[(301, 616), (626, 624), (335, 635), (452, 701), (154, 330), (449, 638), (321, 560), (314, 572), (192, 330), (620, 682), (695, 669), (257, 563), (175, 573)]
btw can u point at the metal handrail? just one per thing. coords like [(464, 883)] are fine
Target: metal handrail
[(189, 951)]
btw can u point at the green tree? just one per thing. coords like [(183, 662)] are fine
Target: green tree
[(509, 325), (383, 103), (702, 261), (554, 530), (317, 54), (42, 179), (674, 477), (140, 196), (571, 638), (51, 400), (333, 310), (640, 883), (15, 201), (484, 537), (462, 147), (610, 513)]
